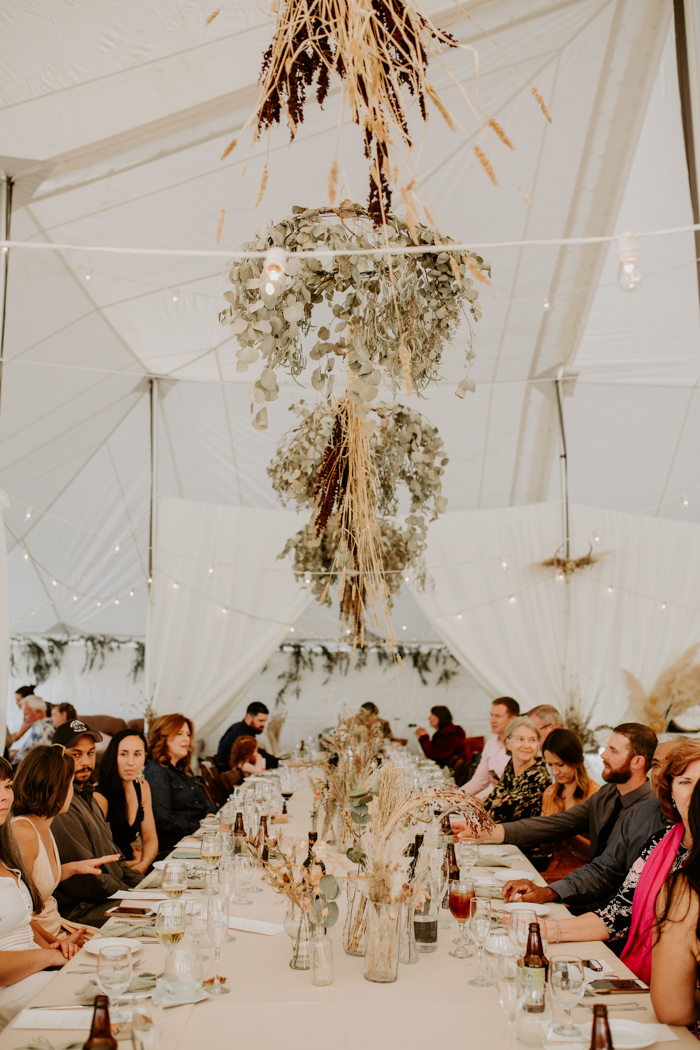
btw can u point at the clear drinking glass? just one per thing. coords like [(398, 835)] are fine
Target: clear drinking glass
[(197, 924), (509, 994), (217, 928), (441, 880), (170, 922), (244, 878), (114, 971), (183, 973), (533, 1020), (461, 895), (174, 879), (480, 921), (497, 944), (146, 1024), (211, 850), (227, 883), (467, 851), (567, 985), (519, 928)]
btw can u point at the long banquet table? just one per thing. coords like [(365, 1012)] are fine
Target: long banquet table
[(273, 1005)]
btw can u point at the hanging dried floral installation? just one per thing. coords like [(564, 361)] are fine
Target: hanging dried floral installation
[(566, 567), (391, 316), (379, 52), (347, 471)]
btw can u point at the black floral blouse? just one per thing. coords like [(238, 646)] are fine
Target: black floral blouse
[(517, 797), (617, 915)]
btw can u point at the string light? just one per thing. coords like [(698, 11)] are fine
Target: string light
[(175, 586), (54, 583), (407, 579), (459, 616), (403, 627), (176, 295), (291, 630), (629, 276), (560, 577), (609, 590), (116, 601), (75, 597), (504, 566), (88, 275), (512, 599), (98, 603), (546, 305), (663, 605), (596, 538), (210, 570), (150, 579), (25, 555), (131, 594), (117, 548), (685, 501), (5, 249), (224, 610), (273, 276)]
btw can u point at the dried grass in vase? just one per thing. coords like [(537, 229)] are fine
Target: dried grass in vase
[(352, 748), (674, 691)]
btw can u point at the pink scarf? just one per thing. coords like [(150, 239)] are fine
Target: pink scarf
[(637, 951)]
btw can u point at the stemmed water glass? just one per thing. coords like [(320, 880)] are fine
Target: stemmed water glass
[(197, 924), (519, 928), (467, 851), (170, 922), (211, 850), (567, 986), (461, 895), (114, 971), (217, 928), (227, 883), (243, 867), (480, 921), (509, 989), (439, 872)]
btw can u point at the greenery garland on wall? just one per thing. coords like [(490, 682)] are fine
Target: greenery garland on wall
[(39, 658), (302, 656)]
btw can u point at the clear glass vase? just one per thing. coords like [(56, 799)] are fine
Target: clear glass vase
[(321, 958), (356, 918), (409, 950), (301, 944), (382, 942)]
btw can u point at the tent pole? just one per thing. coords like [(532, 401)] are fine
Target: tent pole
[(154, 471), (564, 463), (685, 70), (5, 218)]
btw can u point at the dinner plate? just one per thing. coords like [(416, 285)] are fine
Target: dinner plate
[(539, 909), (508, 874), (626, 1035), (487, 850), (95, 946)]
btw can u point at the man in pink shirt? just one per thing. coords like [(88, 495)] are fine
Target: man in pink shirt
[(494, 757)]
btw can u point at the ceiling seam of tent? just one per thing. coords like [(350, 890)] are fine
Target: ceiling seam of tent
[(163, 417), (127, 512), (678, 443), (222, 389)]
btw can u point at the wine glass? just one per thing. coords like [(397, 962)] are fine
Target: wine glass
[(567, 986), (519, 928), (461, 895), (226, 843), (114, 971), (217, 928), (287, 788), (211, 851), (174, 880), (197, 924), (170, 922), (480, 921), (509, 989), (533, 1019), (227, 883), (497, 944), (467, 851), (244, 877)]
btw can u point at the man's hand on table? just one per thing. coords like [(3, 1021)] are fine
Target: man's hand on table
[(462, 831), (526, 890)]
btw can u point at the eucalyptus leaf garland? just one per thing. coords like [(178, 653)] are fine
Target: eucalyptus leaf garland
[(40, 658), (384, 315)]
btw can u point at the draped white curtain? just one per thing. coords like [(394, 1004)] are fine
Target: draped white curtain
[(558, 640), (200, 659)]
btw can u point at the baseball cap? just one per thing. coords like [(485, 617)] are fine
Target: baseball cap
[(69, 732)]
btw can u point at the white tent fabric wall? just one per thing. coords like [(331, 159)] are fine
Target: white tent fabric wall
[(559, 640), (4, 620), (200, 659)]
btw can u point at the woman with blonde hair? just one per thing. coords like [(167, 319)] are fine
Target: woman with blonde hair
[(178, 801)]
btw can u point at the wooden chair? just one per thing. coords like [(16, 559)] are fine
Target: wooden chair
[(213, 784)]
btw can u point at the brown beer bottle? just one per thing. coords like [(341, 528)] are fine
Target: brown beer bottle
[(445, 830), (600, 1029), (263, 836), (239, 845), (101, 1037), (310, 859), (450, 864), (534, 968)]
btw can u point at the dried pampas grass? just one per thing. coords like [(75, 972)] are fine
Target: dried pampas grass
[(675, 690)]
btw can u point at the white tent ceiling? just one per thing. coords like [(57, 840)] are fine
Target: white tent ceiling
[(113, 118)]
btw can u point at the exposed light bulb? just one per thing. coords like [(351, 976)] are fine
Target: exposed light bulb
[(663, 605), (546, 305), (407, 579), (347, 630), (291, 630), (685, 501), (116, 548), (54, 583), (269, 288), (30, 511), (504, 566), (459, 616), (98, 603), (150, 579), (5, 249), (224, 610), (75, 597), (131, 594), (176, 295), (25, 555), (560, 577), (629, 275), (596, 538), (210, 570), (609, 590), (403, 626), (273, 277), (88, 275), (175, 586), (512, 599), (116, 601)]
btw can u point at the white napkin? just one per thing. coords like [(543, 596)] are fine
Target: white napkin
[(269, 929), (80, 1017)]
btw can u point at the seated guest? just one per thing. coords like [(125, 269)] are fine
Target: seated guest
[(370, 713), (25, 952), (43, 788), (125, 798), (626, 761), (563, 754), (178, 801), (246, 757), (40, 729), (675, 955), (20, 694), (518, 794), (494, 757), (61, 713), (596, 883), (82, 834), (546, 718), (627, 922), (448, 744), (255, 720)]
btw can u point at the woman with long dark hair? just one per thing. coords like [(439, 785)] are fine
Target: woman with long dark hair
[(448, 744), (563, 753), (125, 798), (178, 801), (25, 949), (675, 957)]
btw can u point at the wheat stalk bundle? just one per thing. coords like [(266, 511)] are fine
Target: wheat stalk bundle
[(675, 690)]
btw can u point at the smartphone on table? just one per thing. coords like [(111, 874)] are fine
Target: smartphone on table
[(130, 910), (617, 985)]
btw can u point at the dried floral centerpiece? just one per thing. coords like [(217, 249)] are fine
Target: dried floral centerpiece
[(310, 469), (392, 314), (674, 691), (352, 748)]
